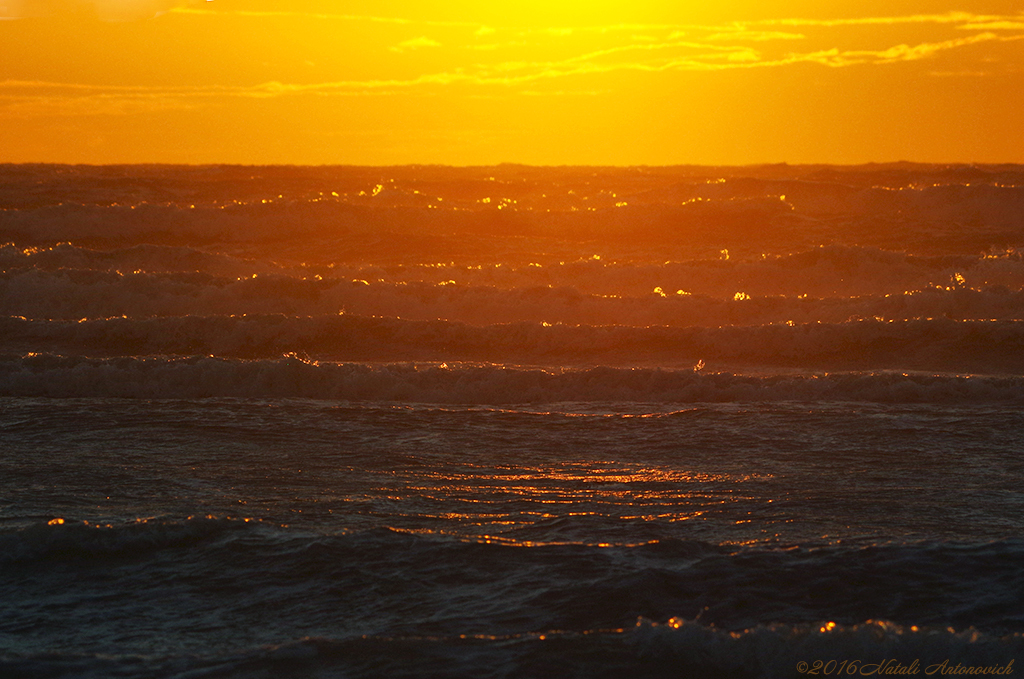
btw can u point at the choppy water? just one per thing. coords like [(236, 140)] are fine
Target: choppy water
[(491, 423)]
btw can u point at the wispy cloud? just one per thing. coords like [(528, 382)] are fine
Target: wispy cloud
[(998, 25), (415, 44), (947, 18), (322, 16), (106, 10), (921, 51), (603, 50), (968, 20), (745, 35), (732, 38), (53, 98)]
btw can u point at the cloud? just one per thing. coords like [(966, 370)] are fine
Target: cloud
[(710, 52), (756, 36), (896, 53), (747, 30), (322, 16), (23, 98), (415, 44), (522, 70), (947, 18), (1001, 25), (105, 10)]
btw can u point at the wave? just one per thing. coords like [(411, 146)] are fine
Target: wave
[(202, 377), (890, 284), (938, 345), (845, 266), (373, 215), (924, 583), (74, 294), (828, 284), (143, 257), (356, 601), (61, 540), (677, 647)]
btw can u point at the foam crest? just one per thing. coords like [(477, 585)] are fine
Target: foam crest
[(198, 377), (939, 345), (874, 647), (649, 649), (67, 540)]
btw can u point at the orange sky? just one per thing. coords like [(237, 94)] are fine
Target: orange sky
[(538, 81)]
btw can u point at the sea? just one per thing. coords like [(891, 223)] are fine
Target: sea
[(511, 421)]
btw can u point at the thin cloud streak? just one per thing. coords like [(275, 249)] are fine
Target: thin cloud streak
[(968, 19), (324, 16), (14, 89), (948, 18), (21, 97), (105, 10)]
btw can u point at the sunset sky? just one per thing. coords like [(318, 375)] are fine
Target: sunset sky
[(603, 82)]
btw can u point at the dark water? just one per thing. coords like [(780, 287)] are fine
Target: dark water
[(429, 541), (750, 418)]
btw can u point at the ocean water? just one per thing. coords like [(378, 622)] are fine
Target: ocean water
[(511, 421)]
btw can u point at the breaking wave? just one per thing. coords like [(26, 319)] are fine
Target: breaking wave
[(668, 607), (206, 376)]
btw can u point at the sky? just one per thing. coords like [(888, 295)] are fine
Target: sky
[(542, 82)]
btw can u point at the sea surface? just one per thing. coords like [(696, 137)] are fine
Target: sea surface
[(511, 421)]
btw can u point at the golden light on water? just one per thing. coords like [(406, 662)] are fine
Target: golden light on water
[(484, 501)]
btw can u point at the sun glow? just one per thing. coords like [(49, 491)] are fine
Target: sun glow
[(646, 82)]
